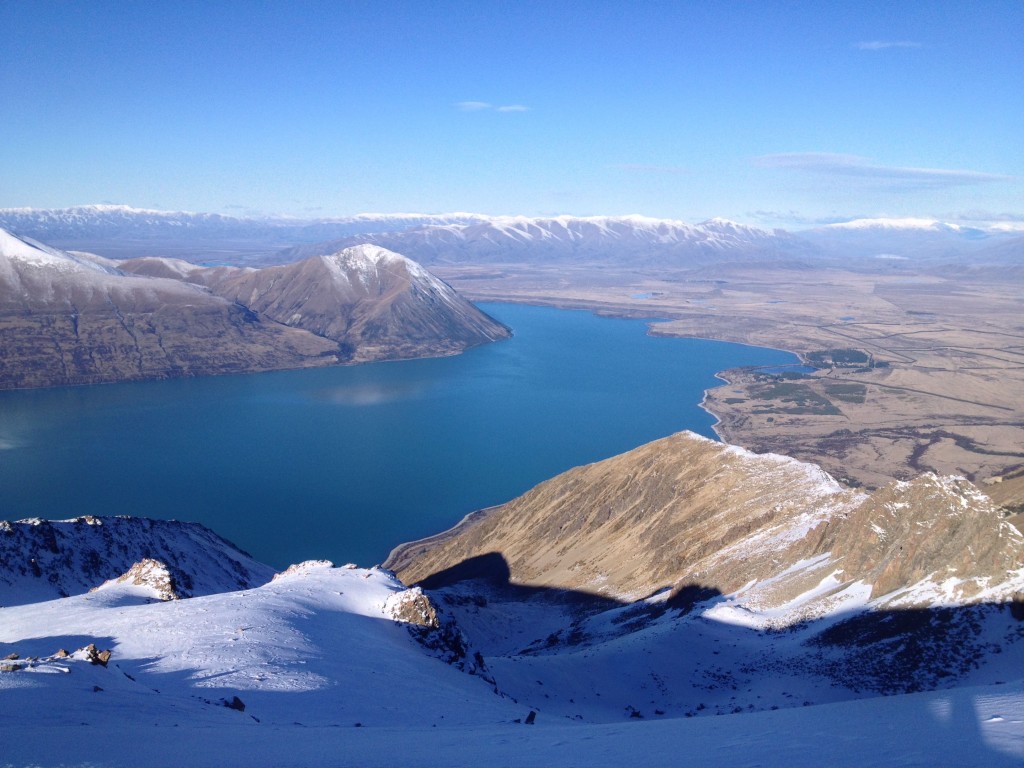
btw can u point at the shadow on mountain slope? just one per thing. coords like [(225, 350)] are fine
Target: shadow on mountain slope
[(892, 651), (490, 572)]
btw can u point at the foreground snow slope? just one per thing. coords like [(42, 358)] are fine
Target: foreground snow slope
[(316, 645), (327, 676), (966, 727)]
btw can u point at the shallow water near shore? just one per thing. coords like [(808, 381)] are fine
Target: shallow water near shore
[(345, 463)]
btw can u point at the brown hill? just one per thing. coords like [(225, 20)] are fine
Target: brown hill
[(376, 303), (777, 534), (74, 319), (67, 320)]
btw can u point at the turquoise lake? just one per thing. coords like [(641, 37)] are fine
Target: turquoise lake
[(344, 463)]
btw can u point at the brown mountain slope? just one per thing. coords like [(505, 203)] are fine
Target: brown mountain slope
[(75, 319), (376, 303), (65, 320), (776, 533)]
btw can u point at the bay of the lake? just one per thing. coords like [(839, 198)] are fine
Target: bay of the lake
[(344, 463)]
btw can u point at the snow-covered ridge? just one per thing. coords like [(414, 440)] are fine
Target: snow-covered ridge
[(922, 224), (95, 211), (630, 239), (90, 222), (901, 224), (27, 251), (578, 227), (100, 223), (43, 560)]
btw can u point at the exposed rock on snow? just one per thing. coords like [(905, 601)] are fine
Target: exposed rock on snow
[(304, 568), (93, 655), (150, 574), (412, 607)]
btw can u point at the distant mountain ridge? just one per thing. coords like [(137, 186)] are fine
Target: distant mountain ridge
[(459, 237), (908, 238), (124, 232), (126, 221), (635, 240)]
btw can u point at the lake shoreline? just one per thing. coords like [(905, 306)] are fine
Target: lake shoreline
[(356, 459), (631, 312), (403, 553)]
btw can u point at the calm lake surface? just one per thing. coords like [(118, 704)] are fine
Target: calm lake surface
[(345, 463)]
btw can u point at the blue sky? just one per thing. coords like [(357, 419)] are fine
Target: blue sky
[(771, 113)]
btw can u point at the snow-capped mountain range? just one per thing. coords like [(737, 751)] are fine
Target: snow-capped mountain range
[(912, 239), (124, 232), (83, 223), (634, 240), (858, 654)]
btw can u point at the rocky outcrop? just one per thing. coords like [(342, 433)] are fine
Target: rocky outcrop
[(300, 569), (438, 632), (150, 574), (412, 607), (942, 530)]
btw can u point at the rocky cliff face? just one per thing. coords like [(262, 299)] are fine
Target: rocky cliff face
[(780, 535), (73, 319), (941, 533)]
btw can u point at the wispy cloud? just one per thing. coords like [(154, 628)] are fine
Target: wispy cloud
[(650, 168), (831, 164), (974, 215), (794, 218), (881, 45), (480, 106)]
